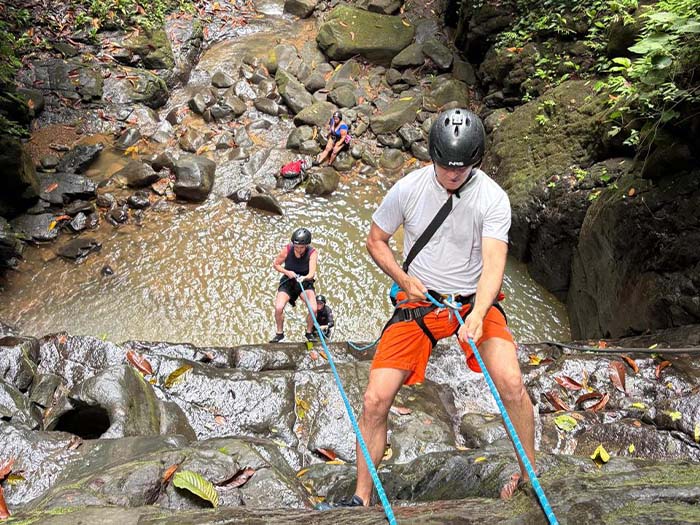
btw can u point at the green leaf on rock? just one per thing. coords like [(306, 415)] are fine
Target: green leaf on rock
[(674, 415), (177, 376), (565, 422), (197, 485), (697, 432), (640, 406), (600, 454)]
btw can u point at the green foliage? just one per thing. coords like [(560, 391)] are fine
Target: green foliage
[(662, 76)]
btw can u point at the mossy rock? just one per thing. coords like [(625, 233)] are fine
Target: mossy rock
[(349, 31)]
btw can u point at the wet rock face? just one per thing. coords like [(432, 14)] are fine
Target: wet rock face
[(653, 283), (194, 177), (11, 247), (20, 184)]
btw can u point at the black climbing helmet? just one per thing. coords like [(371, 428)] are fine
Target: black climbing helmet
[(457, 139), (320, 298), (338, 114), (301, 236)]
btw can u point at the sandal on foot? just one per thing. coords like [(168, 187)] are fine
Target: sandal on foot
[(511, 487)]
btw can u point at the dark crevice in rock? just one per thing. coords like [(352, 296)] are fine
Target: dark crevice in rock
[(87, 422)]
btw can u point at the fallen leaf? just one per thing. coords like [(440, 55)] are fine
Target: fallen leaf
[(631, 362), (6, 468), (341, 462), (637, 423), (480, 459), (404, 22), (165, 479), (660, 367), (140, 362), (616, 371), (74, 442), (302, 472), (4, 511), (313, 355), (640, 406), (63, 218), (568, 383), (600, 454), (674, 415), (220, 420), (631, 192), (327, 453), (600, 405), (602, 344), (240, 478), (535, 360), (388, 453), (177, 376), (556, 401), (587, 397), (696, 433), (342, 23), (565, 422), (52, 225), (352, 35), (400, 411), (631, 448)]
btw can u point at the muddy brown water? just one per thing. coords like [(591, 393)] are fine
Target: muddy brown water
[(203, 273)]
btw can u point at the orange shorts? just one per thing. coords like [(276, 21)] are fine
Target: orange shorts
[(405, 346)]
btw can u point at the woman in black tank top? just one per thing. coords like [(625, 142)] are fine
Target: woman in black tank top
[(298, 258)]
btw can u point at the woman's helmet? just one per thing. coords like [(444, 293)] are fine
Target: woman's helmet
[(338, 114), (457, 139), (321, 298), (301, 236)]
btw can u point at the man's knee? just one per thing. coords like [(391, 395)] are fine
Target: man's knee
[(375, 405), (511, 386)]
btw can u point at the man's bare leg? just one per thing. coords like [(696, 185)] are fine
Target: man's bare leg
[(384, 383), (501, 361)]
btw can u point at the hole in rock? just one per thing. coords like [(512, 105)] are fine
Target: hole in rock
[(87, 422)]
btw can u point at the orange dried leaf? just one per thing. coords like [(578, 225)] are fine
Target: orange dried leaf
[(327, 453), (568, 383), (220, 420), (401, 411), (140, 362), (169, 473), (600, 405), (631, 362), (6, 468), (63, 218), (240, 478), (616, 372), (556, 401), (660, 367), (587, 397), (4, 511), (51, 187), (631, 192), (602, 344)]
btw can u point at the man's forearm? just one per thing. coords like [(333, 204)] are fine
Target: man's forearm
[(383, 256)]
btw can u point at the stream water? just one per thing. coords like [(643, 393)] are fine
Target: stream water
[(203, 273)]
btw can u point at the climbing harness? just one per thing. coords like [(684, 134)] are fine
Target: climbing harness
[(549, 513), (368, 459)]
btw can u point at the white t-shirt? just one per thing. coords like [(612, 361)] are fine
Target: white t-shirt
[(451, 262)]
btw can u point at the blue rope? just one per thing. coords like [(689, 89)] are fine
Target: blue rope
[(368, 459), (362, 348), (506, 420)]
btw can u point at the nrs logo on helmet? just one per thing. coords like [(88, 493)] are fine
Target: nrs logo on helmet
[(457, 138)]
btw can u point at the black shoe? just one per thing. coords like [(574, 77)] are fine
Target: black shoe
[(354, 501), (310, 336), (277, 338)]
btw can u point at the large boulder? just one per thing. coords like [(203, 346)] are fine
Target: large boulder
[(348, 31), (153, 48), (292, 91), (20, 186), (117, 402), (400, 112), (637, 265), (318, 114), (194, 177)]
